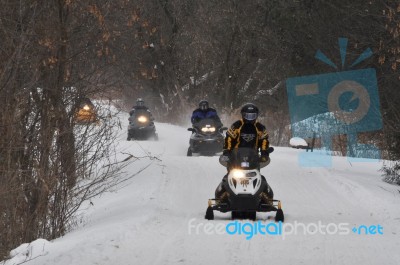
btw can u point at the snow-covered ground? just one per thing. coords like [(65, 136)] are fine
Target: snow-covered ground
[(158, 216)]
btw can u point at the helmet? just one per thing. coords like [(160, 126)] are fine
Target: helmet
[(139, 102), (203, 104), (249, 112)]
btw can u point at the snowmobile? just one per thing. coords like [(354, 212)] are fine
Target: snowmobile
[(243, 187), (141, 126), (86, 113), (207, 138)]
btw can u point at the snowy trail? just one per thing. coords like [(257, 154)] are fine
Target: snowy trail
[(147, 222)]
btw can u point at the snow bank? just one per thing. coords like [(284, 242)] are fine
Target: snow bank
[(298, 142), (27, 251)]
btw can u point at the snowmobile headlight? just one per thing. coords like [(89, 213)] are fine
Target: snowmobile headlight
[(142, 119), (238, 174), (208, 129), (86, 107)]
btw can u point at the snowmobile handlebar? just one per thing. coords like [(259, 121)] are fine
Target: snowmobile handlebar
[(233, 158)]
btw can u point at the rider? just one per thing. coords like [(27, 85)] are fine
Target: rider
[(204, 112), (139, 106), (247, 132)]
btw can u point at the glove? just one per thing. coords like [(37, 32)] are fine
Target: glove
[(264, 156), (226, 156), (227, 152)]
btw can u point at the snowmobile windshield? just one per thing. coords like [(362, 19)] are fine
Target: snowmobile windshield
[(207, 125), (141, 116), (245, 158)]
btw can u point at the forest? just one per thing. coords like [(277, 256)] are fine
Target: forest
[(172, 53)]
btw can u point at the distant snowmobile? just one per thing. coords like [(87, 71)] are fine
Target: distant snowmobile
[(207, 138), (86, 113), (243, 187), (141, 126)]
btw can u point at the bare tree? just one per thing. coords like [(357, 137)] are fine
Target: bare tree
[(53, 55)]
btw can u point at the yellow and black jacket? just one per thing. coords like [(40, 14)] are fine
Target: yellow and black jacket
[(252, 135)]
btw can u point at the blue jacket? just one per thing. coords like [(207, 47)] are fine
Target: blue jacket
[(199, 114)]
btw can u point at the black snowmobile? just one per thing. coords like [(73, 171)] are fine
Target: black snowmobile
[(141, 126), (243, 186), (207, 138)]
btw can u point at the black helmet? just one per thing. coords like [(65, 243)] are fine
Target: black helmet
[(203, 104), (139, 102), (249, 112)]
